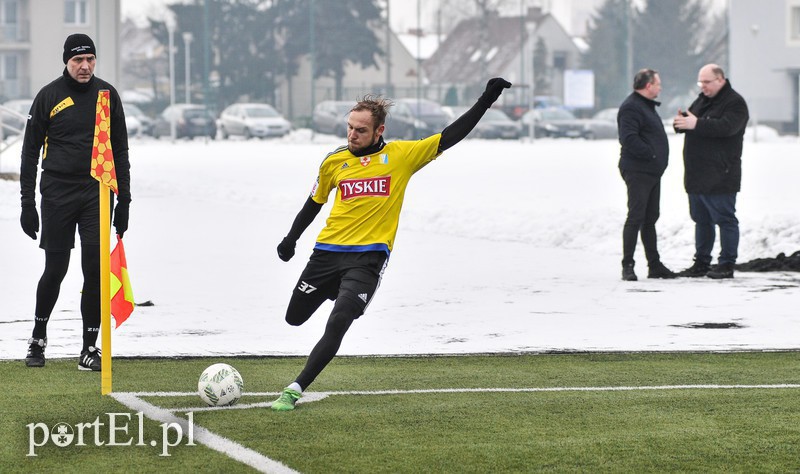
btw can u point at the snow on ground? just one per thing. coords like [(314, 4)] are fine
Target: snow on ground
[(502, 247)]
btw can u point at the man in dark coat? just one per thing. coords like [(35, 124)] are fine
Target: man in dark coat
[(643, 159), (712, 155)]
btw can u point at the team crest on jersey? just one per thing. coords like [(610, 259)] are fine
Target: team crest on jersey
[(353, 188), (365, 160)]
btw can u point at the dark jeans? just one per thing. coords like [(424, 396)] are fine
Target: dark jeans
[(708, 211), (644, 194)]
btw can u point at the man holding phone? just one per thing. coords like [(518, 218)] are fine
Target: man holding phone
[(712, 155)]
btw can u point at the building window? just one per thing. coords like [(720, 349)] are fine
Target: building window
[(794, 23), (559, 60), (76, 12), (9, 75), (9, 19)]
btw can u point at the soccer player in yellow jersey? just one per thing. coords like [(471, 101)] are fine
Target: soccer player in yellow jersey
[(351, 252)]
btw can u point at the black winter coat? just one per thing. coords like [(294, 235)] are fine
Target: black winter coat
[(645, 148), (712, 152)]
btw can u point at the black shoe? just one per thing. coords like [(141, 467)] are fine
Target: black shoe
[(90, 359), (628, 273), (723, 270), (695, 271), (658, 270), (35, 357)]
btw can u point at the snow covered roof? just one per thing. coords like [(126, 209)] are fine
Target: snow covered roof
[(426, 44)]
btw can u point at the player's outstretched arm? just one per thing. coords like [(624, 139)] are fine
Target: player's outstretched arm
[(456, 131), (304, 219)]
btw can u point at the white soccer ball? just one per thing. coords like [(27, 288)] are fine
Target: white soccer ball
[(220, 385)]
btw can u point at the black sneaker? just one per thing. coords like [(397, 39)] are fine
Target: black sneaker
[(658, 270), (723, 270), (628, 273), (695, 271), (35, 357), (90, 359)]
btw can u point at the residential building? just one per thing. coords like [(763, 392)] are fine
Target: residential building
[(32, 34), (764, 59), (395, 79), (489, 46)]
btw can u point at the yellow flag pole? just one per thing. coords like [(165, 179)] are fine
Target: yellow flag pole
[(105, 288)]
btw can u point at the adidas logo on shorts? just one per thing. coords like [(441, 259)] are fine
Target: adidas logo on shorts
[(363, 296)]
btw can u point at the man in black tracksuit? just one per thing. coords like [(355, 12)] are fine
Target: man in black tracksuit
[(61, 125), (643, 159), (712, 156)]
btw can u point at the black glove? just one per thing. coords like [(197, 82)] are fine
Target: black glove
[(121, 213), (29, 220), (286, 249), (493, 90)]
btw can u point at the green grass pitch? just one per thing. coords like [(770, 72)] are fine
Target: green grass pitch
[(615, 412)]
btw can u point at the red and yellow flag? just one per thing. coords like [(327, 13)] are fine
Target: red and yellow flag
[(102, 156), (121, 292)]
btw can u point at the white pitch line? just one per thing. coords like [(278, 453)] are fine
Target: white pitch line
[(494, 389), (212, 440), (262, 463), (309, 397)]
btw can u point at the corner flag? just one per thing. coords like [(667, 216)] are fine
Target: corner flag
[(121, 292), (103, 171)]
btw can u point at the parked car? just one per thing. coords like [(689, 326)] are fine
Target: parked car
[(605, 123), (547, 102), (560, 123), (252, 120), (144, 123), (494, 124), (330, 116), (132, 125), (14, 116), (609, 115), (190, 121), (412, 119)]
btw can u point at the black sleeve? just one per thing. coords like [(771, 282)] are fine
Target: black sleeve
[(304, 219), (33, 140), (458, 130), (119, 146)]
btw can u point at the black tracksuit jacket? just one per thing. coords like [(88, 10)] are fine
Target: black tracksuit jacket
[(61, 125)]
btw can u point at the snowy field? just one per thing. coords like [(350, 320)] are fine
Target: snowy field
[(502, 247)]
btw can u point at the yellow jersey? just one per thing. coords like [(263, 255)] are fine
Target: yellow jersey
[(370, 191)]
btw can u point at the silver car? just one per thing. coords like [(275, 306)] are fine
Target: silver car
[(330, 117), (252, 120), (560, 123)]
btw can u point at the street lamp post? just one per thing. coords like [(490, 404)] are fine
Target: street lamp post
[(170, 52), (187, 42)]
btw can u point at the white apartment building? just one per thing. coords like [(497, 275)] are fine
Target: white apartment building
[(32, 34)]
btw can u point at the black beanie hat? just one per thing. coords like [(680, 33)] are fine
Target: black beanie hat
[(76, 44)]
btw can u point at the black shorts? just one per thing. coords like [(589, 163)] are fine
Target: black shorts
[(331, 275), (69, 201)]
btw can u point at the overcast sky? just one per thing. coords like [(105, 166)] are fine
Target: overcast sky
[(404, 12), (572, 14)]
